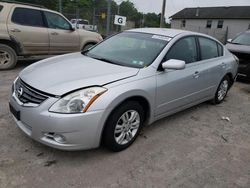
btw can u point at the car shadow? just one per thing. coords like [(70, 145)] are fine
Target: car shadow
[(21, 64)]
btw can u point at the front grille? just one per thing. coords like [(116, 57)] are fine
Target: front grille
[(28, 95), (244, 58)]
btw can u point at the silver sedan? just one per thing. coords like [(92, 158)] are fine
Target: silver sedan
[(109, 92)]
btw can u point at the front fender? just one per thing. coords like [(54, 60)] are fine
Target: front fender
[(119, 93)]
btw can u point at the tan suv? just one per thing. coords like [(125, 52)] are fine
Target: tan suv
[(27, 31)]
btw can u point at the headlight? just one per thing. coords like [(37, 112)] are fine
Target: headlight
[(77, 102)]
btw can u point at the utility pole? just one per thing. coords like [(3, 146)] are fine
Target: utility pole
[(163, 13), (60, 6), (108, 18), (118, 13)]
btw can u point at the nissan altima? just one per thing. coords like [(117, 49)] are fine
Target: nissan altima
[(105, 95)]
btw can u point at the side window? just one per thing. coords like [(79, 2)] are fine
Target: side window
[(184, 49), (1, 7), (208, 48), (220, 50), (183, 23), (56, 21), (209, 23), (220, 24), (27, 17)]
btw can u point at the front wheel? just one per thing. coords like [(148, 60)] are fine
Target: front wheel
[(123, 126), (87, 46), (222, 90)]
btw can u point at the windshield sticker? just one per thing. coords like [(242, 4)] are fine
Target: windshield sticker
[(141, 63), (159, 37), (134, 62)]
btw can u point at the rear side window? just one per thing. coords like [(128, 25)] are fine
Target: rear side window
[(209, 48), (56, 21), (1, 7), (28, 17), (184, 49)]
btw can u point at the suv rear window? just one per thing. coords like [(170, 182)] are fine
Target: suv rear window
[(1, 7), (28, 17)]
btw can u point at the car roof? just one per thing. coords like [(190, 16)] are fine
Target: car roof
[(8, 2), (160, 31), (27, 5)]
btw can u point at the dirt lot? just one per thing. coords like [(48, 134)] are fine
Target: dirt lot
[(194, 148)]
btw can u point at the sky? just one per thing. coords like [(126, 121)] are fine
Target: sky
[(174, 6)]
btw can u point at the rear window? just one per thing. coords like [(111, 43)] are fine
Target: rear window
[(28, 17), (83, 22), (1, 7)]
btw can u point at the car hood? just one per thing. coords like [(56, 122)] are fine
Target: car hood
[(238, 48), (62, 74)]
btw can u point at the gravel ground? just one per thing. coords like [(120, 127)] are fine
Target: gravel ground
[(194, 148)]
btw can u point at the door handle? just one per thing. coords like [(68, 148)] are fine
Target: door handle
[(196, 74), (54, 33), (15, 30)]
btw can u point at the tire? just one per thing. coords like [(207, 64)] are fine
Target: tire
[(222, 90), (119, 133), (87, 46), (8, 57)]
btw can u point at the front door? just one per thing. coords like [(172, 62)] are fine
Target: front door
[(27, 27), (63, 39), (179, 88)]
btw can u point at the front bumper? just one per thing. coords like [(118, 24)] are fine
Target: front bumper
[(244, 71), (80, 131)]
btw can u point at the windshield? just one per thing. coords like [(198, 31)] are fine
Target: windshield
[(83, 22), (130, 49), (243, 39)]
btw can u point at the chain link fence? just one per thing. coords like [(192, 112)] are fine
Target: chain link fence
[(96, 17)]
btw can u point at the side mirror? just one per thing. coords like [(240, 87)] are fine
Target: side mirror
[(174, 64), (229, 40), (73, 28)]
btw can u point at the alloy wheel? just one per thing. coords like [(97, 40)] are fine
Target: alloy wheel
[(127, 127), (4, 58), (223, 90)]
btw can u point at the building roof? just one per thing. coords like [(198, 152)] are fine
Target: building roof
[(233, 12)]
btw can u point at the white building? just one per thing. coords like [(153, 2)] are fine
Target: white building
[(221, 22)]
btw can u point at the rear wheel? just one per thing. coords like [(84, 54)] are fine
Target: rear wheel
[(8, 57), (123, 126), (222, 90)]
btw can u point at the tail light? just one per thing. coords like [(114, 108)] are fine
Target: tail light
[(236, 59)]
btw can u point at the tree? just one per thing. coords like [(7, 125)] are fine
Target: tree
[(46, 3), (152, 20)]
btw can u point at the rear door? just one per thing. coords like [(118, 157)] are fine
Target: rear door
[(212, 65), (27, 27), (63, 39)]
